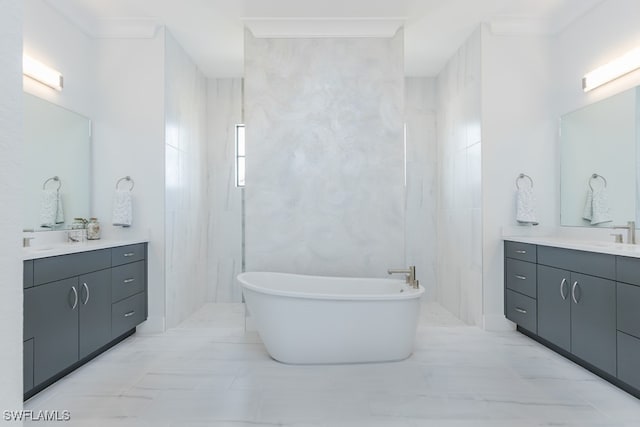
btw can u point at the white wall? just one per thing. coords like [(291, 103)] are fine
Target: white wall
[(224, 112), (129, 139), (51, 39), (459, 209), (186, 183), (422, 173), (518, 135), (11, 162), (325, 182)]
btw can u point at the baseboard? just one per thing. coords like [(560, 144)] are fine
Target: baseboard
[(153, 325), (497, 323)]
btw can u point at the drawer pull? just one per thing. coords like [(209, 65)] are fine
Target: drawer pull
[(128, 280), (128, 254), (520, 277), (129, 314), (521, 310), (521, 251), (564, 282)]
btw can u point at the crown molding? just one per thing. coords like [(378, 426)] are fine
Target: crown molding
[(323, 27), (107, 28)]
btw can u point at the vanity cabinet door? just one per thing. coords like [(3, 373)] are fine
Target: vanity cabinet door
[(593, 321), (95, 311), (554, 306), (52, 310)]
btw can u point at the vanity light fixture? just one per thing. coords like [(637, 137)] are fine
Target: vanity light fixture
[(625, 64), (41, 73)]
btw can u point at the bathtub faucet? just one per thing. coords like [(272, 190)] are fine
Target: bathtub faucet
[(411, 275)]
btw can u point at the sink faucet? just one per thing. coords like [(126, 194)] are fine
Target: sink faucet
[(411, 275), (631, 231)]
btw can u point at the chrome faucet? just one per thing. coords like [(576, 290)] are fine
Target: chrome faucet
[(411, 275), (631, 231)]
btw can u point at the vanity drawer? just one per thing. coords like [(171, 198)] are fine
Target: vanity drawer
[(521, 251), (591, 263), (522, 310), (127, 280), (628, 309), (27, 276), (55, 268), (629, 359), (126, 254), (628, 270), (521, 277), (127, 314)]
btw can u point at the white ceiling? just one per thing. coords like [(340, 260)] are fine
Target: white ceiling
[(211, 31)]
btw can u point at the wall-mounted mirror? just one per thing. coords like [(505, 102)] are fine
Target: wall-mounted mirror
[(57, 143), (598, 158)]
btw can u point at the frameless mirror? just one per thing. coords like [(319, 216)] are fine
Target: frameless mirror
[(598, 158), (57, 144)]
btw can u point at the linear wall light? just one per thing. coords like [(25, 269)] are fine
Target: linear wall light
[(42, 73), (625, 64)]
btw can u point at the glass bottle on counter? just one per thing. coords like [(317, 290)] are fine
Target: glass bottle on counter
[(93, 229)]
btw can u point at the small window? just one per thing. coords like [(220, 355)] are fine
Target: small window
[(240, 156)]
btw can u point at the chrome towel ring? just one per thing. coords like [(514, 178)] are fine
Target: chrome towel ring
[(126, 178), (53, 178), (523, 176)]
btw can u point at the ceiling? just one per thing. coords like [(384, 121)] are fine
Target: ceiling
[(212, 31)]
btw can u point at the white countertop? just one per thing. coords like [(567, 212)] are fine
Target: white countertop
[(65, 248), (603, 247)]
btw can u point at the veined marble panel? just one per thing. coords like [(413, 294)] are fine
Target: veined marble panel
[(225, 202), (325, 155)]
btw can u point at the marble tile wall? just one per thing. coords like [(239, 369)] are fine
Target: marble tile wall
[(10, 195), (459, 240), (186, 184), (422, 190), (225, 199), (325, 174)]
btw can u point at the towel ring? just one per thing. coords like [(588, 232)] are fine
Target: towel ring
[(596, 176), (53, 178), (522, 176), (126, 178)]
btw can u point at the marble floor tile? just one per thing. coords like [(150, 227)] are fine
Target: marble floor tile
[(210, 372)]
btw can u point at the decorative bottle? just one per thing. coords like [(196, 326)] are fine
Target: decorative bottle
[(93, 229)]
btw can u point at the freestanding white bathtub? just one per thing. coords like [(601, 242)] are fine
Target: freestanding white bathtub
[(313, 319)]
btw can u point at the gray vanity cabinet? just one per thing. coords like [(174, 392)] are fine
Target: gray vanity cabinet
[(554, 306), (69, 309), (94, 311), (51, 313), (583, 311)]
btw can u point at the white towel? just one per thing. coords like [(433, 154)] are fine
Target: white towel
[(526, 206), (587, 212), (600, 211), (51, 211), (122, 208)]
